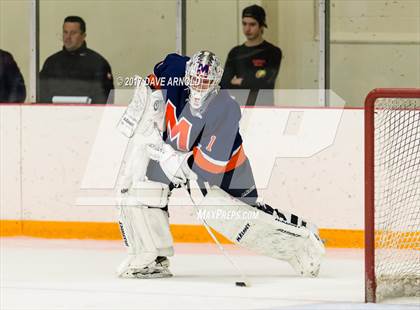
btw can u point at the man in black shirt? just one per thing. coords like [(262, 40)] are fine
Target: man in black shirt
[(255, 64), (12, 86), (76, 70)]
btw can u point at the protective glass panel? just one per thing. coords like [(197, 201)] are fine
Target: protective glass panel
[(292, 27), (130, 36), (15, 57), (374, 44)]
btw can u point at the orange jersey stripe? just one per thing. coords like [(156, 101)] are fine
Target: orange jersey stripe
[(236, 160), (153, 81)]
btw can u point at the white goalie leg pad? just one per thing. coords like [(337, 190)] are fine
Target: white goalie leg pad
[(145, 230), (148, 193), (146, 233), (307, 259), (137, 159), (261, 232)]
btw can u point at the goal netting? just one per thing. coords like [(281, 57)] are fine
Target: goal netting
[(392, 196)]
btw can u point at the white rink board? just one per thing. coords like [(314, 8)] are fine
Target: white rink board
[(10, 176), (60, 163)]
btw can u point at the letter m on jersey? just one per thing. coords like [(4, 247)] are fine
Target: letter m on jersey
[(179, 130)]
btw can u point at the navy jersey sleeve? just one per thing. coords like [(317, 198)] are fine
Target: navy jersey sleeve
[(168, 72), (220, 147)]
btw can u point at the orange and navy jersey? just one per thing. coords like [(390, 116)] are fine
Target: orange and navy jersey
[(214, 138)]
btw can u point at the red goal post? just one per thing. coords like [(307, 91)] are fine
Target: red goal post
[(392, 168)]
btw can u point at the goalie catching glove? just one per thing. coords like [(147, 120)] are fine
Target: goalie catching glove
[(173, 163)]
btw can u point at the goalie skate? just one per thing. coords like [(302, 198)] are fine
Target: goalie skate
[(159, 268)]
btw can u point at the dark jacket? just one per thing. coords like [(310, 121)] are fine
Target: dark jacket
[(12, 85), (258, 66), (82, 72)]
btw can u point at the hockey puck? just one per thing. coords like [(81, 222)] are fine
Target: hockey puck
[(240, 283)]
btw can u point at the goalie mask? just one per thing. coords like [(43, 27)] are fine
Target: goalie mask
[(203, 73)]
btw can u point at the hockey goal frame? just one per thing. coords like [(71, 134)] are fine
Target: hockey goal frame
[(369, 112)]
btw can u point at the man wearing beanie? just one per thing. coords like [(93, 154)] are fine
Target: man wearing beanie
[(255, 64)]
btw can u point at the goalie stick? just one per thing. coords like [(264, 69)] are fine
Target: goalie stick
[(244, 280)]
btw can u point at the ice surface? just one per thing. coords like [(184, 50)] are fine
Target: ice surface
[(79, 274)]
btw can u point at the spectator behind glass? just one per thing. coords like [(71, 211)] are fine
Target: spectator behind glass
[(255, 64), (76, 70), (12, 85)]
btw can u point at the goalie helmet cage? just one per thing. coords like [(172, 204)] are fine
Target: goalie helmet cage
[(392, 193)]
